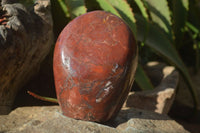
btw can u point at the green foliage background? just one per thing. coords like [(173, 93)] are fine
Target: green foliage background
[(167, 28)]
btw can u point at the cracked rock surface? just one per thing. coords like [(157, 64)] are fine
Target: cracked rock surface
[(49, 119)]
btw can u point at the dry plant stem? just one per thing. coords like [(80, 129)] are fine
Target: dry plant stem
[(48, 99)]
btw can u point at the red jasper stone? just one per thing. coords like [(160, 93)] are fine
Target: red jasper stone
[(95, 59)]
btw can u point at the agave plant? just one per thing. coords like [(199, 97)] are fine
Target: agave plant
[(159, 25)]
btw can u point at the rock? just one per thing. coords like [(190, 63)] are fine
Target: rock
[(183, 106), (184, 96), (159, 100), (132, 120), (94, 74), (49, 119), (26, 37)]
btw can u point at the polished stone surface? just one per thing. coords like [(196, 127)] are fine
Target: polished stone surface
[(95, 59)]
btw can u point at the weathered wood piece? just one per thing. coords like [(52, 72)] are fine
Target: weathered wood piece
[(26, 37)]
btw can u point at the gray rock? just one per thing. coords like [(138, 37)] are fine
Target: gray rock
[(49, 119), (26, 37), (131, 120), (184, 96), (160, 99)]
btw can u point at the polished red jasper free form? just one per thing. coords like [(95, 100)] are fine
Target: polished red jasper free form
[(95, 58)]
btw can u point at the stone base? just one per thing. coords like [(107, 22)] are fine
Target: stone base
[(49, 119)]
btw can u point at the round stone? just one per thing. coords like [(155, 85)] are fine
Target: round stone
[(95, 59)]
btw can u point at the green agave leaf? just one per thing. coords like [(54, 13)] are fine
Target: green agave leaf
[(160, 14), (180, 11), (142, 8), (76, 7), (125, 12), (120, 8), (194, 34), (158, 41), (142, 79), (64, 7), (193, 28), (92, 5), (194, 13), (106, 6), (114, 7), (60, 17)]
